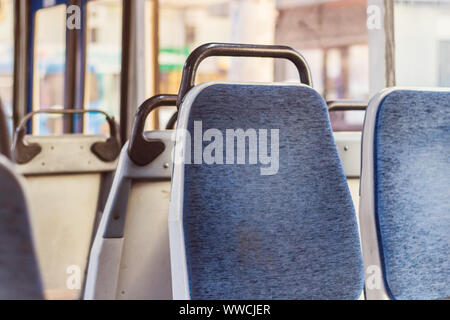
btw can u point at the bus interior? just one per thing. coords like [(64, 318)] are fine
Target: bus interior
[(224, 150)]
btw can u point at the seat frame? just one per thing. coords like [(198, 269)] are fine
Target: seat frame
[(106, 254), (375, 288), (180, 277)]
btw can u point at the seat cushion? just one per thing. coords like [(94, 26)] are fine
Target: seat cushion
[(412, 197), (290, 235)]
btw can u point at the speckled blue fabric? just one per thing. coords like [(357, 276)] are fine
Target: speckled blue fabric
[(412, 189), (292, 235), (19, 274)]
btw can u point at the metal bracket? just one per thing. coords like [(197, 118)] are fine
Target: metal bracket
[(141, 150), (107, 151)]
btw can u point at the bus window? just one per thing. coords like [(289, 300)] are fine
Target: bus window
[(103, 62), (49, 68), (6, 55), (159, 118), (422, 45), (149, 44), (181, 29), (332, 35)]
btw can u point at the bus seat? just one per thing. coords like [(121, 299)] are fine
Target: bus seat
[(349, 146), (19, 272), (66, 177), (130, 257), (405, 202), (238, 233)]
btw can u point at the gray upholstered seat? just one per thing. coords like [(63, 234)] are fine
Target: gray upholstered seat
[(258, 229), (19, 273), (405, 199)]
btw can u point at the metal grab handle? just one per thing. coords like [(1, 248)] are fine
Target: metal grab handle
[(347, 105), (5, 148), (143, 151), (239, 50), (171, 124), (107, 151)]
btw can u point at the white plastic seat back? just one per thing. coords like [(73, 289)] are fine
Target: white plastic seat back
[(66, 177), (130, 258)]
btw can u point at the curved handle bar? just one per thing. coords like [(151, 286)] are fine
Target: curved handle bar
[(141, 150), (171, 124), (239, 50), (347, 105), (5, 148), (107, 151)]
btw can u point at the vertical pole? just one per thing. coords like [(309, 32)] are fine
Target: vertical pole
[(22, 9), (155, 49), (126, 29), (390, 42), (73, 91), (380, 22), (132, 82), (155, 57)]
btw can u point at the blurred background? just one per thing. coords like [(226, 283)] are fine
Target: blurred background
[(332, 35)]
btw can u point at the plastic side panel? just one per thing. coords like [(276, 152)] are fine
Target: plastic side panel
[(145, 264), (64, 211), (349, 147), (104, 269)]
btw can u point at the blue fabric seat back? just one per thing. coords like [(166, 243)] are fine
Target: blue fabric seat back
[(289, 235), (412, 193), (19, 273)]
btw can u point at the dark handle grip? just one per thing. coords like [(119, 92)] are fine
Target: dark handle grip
[(143, 151), (347, 105), (107, 151), (239, 50), (173, 120)]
